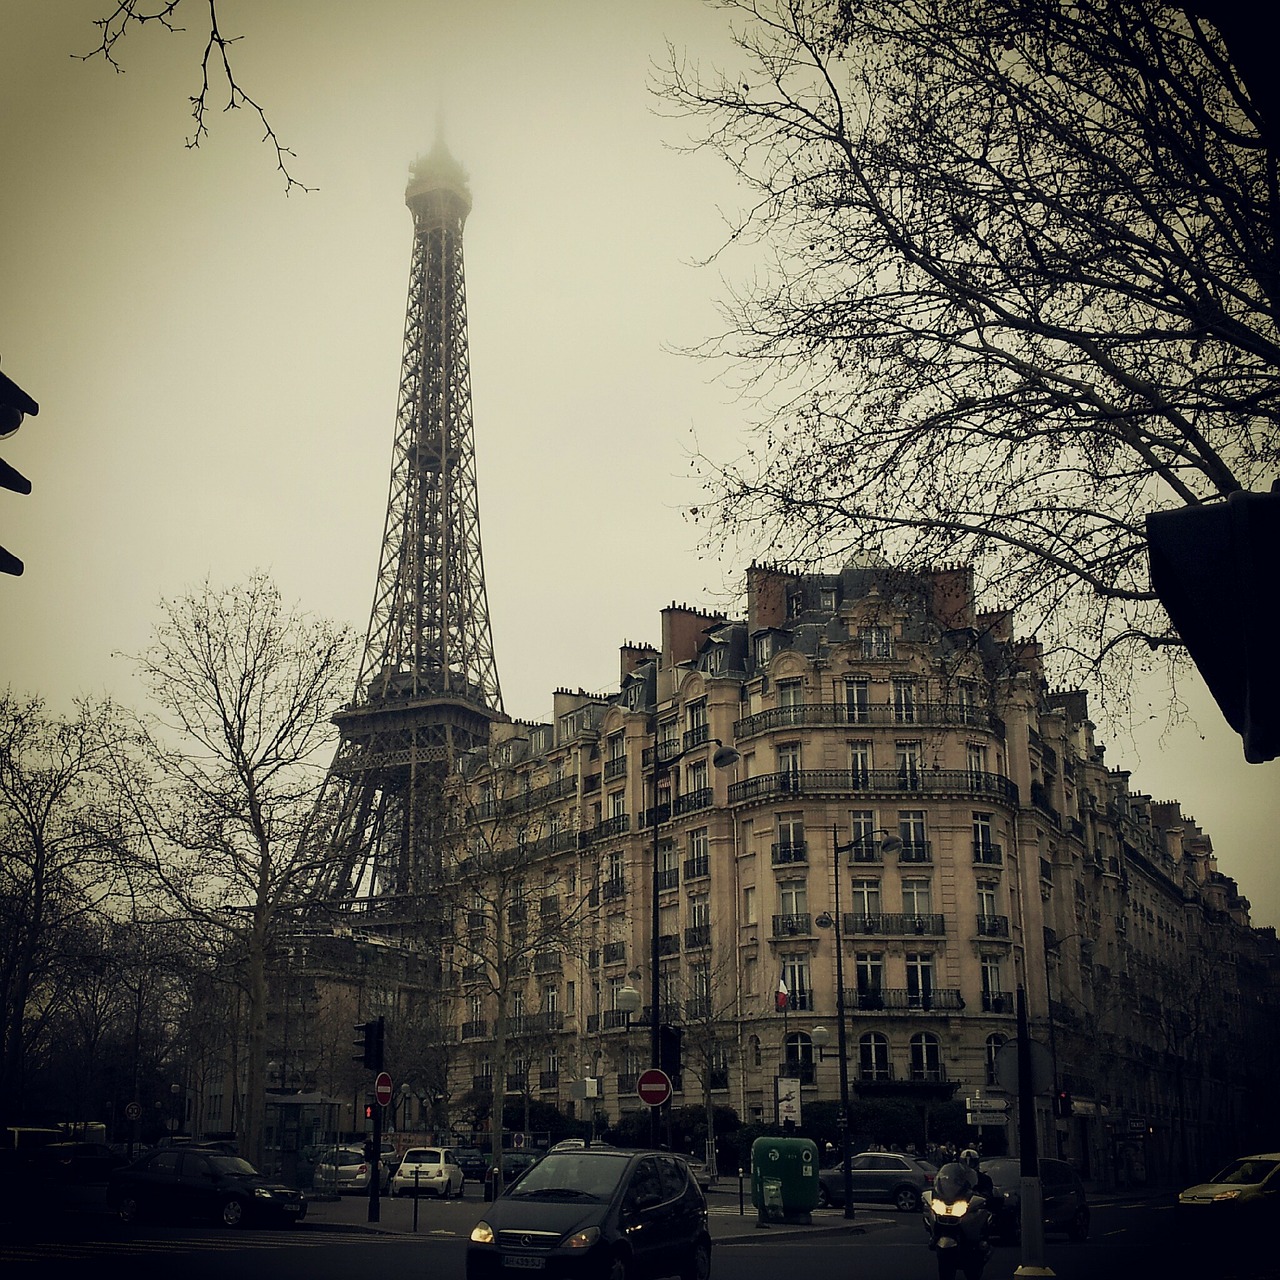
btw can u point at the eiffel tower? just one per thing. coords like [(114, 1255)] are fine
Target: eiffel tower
[(428, 685)]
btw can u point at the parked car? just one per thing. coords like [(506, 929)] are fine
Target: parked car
[(514, 1163), (341, 1169), (473, 1162), (1066, 1207), (699, 1171), (1242, 1196), (179, 1183), (881, 1177), (596, 1213), (76, 1162), (428, 1170)]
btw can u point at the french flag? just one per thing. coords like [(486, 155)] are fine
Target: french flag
[(784, 996)]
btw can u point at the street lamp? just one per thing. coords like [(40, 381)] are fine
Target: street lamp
[(175, 1090), (890, 844), (724, 758)]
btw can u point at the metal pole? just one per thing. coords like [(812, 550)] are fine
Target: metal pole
[(1029, 1181), (841, 1042), (655, 1035)]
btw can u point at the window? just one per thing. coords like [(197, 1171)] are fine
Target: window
[(857, 699), (926, 1056), (907, 755), (873, 1057), (717, 659), (975, 761), (827, 599), (987, 898), (917, 899), (799, 1053), (551, 999), (904, 700), (790, 700), (919, 979), (699, 846), (697, 776), (791, 833), (617, 804), (788, 758), (869, 968), (570, 997), (613, 867), (748, 904), (992, 985), (860, 764), (862, 829), (967, 700), (668, 862), (876, 642), (911, 831), (995, 1043), (699, 909), (517, 1005), (793, 898), (866, 897), (615, 748), (475, 1008), (795, 973), (697, 712), (982, 835), (763, 646)]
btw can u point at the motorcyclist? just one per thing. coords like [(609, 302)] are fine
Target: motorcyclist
[(980, 1181)]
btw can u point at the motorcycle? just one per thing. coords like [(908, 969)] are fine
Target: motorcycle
[(956, 1218)]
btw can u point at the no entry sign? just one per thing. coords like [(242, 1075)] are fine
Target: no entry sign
[(382, 1088), (654, 1087)]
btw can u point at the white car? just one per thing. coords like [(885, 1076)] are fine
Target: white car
[(428, 1169)]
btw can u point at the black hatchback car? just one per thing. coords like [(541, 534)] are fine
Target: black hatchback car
[(598, 1213), (179, 1182)]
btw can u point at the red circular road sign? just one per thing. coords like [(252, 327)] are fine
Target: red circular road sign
[(653, 1087), (382, 1088)]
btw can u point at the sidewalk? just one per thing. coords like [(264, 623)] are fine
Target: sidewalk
[(455, 1218)]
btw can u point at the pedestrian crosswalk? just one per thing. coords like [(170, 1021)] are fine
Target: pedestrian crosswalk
[(52, 1251)]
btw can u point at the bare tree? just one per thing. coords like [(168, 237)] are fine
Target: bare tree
[(215, 65), (224, 781), (60, 862), (1020, 290)]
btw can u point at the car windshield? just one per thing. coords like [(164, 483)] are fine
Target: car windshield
[(232, 1164), (1245, 1172), (573, 1174)]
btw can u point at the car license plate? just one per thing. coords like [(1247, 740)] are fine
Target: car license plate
[(291, 1208), (523, 1262)]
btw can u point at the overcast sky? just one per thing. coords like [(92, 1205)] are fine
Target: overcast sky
[(217, 366)]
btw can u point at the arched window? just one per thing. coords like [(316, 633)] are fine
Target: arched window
[(798, 1052), (995, 1042), (873, 1057), (926, 1056), (753, 1048)]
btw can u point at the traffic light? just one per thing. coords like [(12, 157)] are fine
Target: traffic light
[(1213, 567), (369, 1040), (1062, 1105), (669, 1041), (15, 405), (368, 1113)]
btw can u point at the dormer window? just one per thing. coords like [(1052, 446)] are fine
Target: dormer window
[(827, 600), (635, 695), (876, 642), (717, 659), (763, 650)]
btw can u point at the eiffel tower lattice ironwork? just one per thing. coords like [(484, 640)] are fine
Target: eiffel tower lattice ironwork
[(428, 684)]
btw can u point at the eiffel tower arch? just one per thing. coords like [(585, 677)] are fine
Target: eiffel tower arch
[(427, 688)]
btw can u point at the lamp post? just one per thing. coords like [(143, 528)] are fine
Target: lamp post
[(891, 844), (724, 758), (176, 1091)]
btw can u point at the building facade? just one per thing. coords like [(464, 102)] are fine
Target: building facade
[(906, 787)]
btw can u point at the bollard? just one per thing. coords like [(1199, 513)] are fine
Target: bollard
[(417, 1175)]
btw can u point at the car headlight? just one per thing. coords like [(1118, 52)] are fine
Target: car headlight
[(582, 1239), (482, 1233), (1228, 1195), (263, 1193)]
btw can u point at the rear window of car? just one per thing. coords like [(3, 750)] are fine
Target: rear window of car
[(350, 1157), (421, 1156)]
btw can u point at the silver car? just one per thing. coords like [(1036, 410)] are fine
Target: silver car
[(428, 1170)]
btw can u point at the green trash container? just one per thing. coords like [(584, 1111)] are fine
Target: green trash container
[(784, 1178)]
